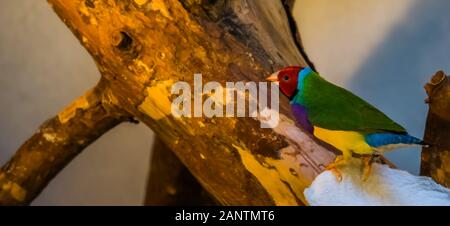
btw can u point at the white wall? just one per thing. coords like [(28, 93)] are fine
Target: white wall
[(382, 50)]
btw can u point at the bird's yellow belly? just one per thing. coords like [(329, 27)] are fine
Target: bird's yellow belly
[(345, 141)]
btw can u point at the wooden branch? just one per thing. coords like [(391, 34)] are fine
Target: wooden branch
[(436, 157), (170, 182), (56, 143), (245, 22), (143, 47), (265, 26)]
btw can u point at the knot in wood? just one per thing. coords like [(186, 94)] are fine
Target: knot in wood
[(127, 46)]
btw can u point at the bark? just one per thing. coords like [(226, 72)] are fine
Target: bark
[(55, 144), (436, 157), (141, 48), (170, 183), (265, 26)]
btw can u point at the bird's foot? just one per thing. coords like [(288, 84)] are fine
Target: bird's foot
[(367, 165), (336, 174), (333, 167)]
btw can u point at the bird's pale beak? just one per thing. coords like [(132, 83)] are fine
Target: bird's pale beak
[(273, 77)]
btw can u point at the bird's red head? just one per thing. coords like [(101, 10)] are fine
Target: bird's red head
[(287, 78)]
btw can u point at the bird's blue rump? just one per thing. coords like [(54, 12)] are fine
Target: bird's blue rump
[(381, 139)]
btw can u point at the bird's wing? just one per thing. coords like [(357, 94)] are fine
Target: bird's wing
[(332, 107)]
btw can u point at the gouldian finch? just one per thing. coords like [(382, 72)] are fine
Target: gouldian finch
[(340, 118)]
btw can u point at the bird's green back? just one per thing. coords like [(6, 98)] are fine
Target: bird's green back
[(332, 107)]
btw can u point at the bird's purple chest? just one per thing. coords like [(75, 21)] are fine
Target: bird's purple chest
[(301, 117)]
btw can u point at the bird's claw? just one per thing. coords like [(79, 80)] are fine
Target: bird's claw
[(333, 168), (366, 170), (337, 174), (367, 165)]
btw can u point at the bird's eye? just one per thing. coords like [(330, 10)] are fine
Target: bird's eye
[(286, 78)]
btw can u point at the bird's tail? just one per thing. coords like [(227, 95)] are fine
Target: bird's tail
[(383, 139)]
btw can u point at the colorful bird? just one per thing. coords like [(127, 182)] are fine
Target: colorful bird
[(340, 118)]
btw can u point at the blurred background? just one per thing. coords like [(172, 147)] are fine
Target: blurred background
[(382, 50)]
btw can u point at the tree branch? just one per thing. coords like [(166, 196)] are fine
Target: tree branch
[(56, 143), (171, 183), (264, 26), (143, 47), (436, 157)]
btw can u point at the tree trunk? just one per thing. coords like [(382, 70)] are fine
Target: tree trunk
[(436, 157), (170, 183), (143, 47)]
